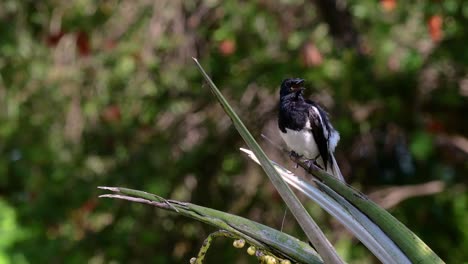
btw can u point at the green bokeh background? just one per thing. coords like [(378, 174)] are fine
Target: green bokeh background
[(105, 93)]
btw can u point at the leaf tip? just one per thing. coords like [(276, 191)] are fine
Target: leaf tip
[(112, 189), (105, 196), (246, 151)]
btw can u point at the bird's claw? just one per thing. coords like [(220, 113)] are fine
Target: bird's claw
[(295, 156), (312, 163)]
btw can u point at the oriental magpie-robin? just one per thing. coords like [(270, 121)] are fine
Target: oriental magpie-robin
[(305, 127)]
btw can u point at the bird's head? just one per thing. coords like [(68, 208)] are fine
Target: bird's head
[(292, 86)]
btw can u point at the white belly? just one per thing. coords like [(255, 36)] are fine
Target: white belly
[(302, 142)]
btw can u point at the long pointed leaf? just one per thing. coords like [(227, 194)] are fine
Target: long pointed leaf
[(311, 229), (413, 247), (261, 236), (354, 220)]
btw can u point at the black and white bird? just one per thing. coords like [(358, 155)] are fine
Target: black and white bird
[(306, 128)]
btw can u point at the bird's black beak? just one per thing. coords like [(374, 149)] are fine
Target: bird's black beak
[(298, 81)]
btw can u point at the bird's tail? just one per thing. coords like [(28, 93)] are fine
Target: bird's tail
[(334, 169)]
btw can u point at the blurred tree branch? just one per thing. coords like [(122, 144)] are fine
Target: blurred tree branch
[(391, 196)]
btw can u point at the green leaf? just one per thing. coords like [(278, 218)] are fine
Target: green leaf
[(353, 219), (414, 248), (421, 146), (261, 236), (311, 229)]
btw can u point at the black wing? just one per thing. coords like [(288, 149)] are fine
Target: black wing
[(317, 126)]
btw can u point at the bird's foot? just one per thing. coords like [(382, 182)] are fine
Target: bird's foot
[(311, 163), (294, 156)]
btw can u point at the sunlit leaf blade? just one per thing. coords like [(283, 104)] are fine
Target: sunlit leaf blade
[(391, 249), (261, 236), (354, 220), (414, 248), (311, 229)]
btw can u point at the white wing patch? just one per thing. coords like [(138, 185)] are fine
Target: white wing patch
[(324, 128), (334, 138)]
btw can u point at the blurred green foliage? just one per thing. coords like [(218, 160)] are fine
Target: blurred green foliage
[(105, 93)]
